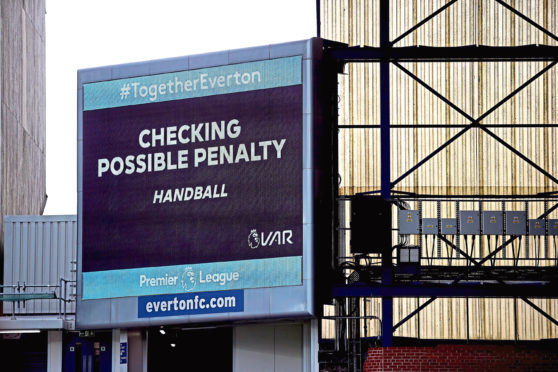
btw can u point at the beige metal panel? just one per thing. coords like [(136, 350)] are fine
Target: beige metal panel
[(447, 28), (328, 326), (466, 22), (488, 319)]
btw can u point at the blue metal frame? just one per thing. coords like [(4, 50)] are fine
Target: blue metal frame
[(387, 265), (386, 54), (479, 289)]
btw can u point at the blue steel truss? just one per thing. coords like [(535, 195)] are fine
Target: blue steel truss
[(389, 54)]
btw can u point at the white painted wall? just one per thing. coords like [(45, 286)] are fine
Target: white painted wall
[(54, 351), (118, 336)]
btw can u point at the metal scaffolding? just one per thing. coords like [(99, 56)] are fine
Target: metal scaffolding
[(473, 278)]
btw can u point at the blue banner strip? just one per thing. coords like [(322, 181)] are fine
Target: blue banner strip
[(214, 276), (205, 82), (191, 304)]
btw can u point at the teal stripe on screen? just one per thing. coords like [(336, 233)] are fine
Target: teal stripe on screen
[(204, 82), (206, 277)]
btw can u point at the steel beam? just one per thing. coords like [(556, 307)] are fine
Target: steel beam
[(479, 289), (469, 53), (385, 153), (520, 155), (474, 122), (541, 311), (443, 126)]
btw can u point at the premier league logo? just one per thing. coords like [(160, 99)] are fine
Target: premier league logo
[(253, 239), (188, 279)]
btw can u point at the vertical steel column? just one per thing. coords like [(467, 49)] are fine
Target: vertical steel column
[(384, 101), (387, 269)]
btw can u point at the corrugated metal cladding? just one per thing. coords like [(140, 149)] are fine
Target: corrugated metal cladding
[(473, 164), (39, 250)]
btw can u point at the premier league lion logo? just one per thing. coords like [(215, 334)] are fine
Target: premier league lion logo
[(188, 279), (253, 239)]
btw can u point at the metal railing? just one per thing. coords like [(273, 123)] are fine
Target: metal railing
[(20, 293)]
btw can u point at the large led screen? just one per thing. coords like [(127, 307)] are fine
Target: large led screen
[(192, 181)]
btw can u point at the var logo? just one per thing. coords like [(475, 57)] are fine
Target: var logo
[(266, 239)]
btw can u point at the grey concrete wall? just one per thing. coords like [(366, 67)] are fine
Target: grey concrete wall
[(22, 107), (268, 348)]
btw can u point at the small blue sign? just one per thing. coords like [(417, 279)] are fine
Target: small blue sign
[(123, 353), (191, 304)]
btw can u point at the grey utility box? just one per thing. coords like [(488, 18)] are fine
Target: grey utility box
[(536, 227), (430, 226), (469, 222), (492, 222), (516, 223), (552, 227), (409, 255), (408, 222), (448, 226)]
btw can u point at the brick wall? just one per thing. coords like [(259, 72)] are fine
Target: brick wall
[(462, 358)]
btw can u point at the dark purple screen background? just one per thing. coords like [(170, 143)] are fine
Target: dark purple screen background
[(122, 228)]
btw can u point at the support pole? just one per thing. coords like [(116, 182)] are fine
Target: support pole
[(385, 101), (54, 351), (387, 269)]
